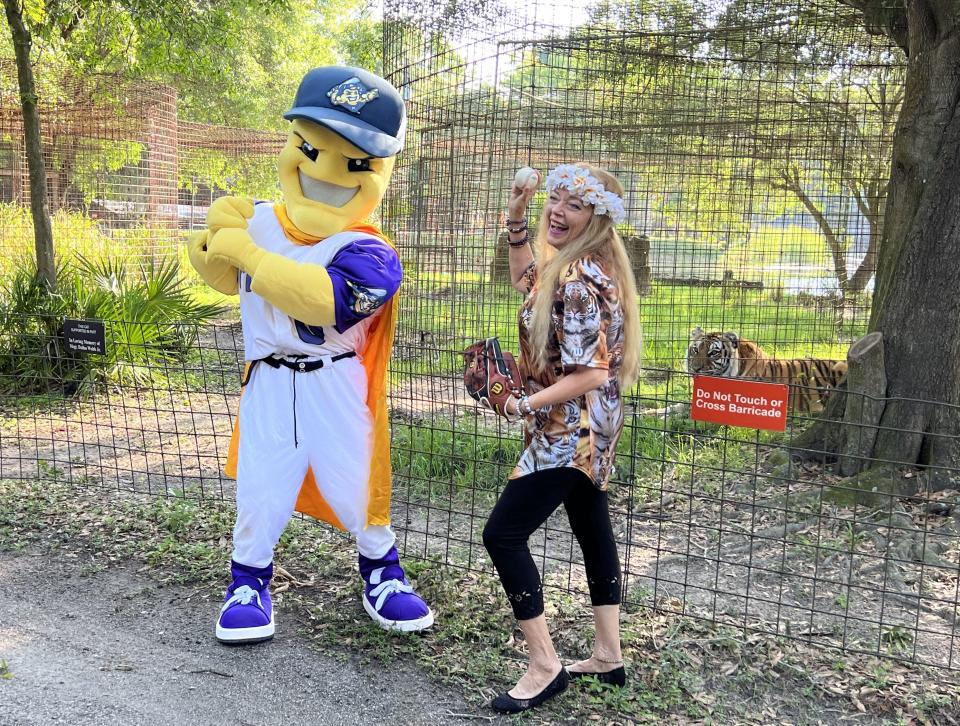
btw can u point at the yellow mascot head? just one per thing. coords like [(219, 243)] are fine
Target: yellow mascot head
[(348, 126)]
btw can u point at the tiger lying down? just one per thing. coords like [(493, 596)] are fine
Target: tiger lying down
[(727, 354)]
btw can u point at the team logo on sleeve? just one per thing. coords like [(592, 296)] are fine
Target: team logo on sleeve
[(365, 300), (352, 94)]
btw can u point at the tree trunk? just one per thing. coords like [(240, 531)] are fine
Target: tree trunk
[(916, 305), (864, 273), (791, 181), (39, 204)]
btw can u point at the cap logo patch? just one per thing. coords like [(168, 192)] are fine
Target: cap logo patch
[(352, 94)]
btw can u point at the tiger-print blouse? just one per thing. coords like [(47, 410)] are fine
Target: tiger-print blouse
[(587, 330)]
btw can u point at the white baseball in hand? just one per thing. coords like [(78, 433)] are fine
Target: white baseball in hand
[(526, 177)]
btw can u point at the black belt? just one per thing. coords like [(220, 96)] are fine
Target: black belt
[(296, 365), (305, 366)]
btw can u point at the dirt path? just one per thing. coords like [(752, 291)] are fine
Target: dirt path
[(114, 647)]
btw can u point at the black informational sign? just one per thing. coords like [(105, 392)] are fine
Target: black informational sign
[(85, 336)]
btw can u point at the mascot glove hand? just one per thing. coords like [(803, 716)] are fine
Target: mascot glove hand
[(197, 246), (229, 213), (235, 247)]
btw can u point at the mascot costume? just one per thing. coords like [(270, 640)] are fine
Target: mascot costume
[(316, 286)]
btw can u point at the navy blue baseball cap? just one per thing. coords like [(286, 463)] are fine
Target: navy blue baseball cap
[(360, 106)]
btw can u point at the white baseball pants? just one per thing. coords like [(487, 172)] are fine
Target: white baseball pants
[(289, 421)]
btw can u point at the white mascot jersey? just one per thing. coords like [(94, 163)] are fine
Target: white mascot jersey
[(269, 331)]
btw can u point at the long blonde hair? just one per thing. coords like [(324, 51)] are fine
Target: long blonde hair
[(601, 241)]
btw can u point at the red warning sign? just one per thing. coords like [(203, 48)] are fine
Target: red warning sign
[(735, 402)]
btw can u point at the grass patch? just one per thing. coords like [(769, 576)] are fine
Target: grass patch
[(76, 235), (438, 317), (465, 462), (203, 294), (457, 461)]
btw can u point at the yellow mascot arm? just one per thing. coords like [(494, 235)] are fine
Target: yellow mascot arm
[(218, 274), (301, 290)]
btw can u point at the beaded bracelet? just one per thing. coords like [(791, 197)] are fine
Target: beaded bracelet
[(520, 242), (520, 226), (524, 406)]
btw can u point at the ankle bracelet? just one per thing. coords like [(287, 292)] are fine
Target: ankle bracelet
[(609, 662)]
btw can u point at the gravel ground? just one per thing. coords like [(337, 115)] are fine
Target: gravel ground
[(114, 647)]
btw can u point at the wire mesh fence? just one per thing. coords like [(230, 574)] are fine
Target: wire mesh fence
[(126, 176), (753, 140), (745, 528)]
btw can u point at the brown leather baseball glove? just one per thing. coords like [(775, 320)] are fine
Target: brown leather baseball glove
[(492, 376)]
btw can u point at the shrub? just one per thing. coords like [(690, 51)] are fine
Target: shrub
[(150, 319), (33, 358)]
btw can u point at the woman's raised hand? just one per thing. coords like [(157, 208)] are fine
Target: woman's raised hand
[(525, 184)]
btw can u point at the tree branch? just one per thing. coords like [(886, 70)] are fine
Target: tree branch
[(882, 16), (858, 197), (792, 183), (66, 30), (873, 213)]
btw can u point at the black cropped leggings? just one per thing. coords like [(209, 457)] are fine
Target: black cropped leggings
[(524, 505)]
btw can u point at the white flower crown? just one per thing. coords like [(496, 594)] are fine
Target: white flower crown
[(580, 182)]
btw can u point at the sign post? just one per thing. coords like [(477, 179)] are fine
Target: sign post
[(736, 402)]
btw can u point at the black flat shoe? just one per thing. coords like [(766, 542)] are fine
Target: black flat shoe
[(505, 703), (616, 677)]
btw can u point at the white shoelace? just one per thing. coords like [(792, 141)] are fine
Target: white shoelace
[(243, 595), (385, 589)]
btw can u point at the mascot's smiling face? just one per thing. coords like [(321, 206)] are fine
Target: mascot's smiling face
[(327, 182)]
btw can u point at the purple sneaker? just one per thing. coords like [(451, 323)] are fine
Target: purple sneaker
[(247, 613), (388, 597)]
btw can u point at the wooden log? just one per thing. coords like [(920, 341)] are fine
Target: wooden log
[(638, 250), (866, 391)]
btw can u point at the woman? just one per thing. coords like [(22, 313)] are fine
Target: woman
[(579, 347)]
